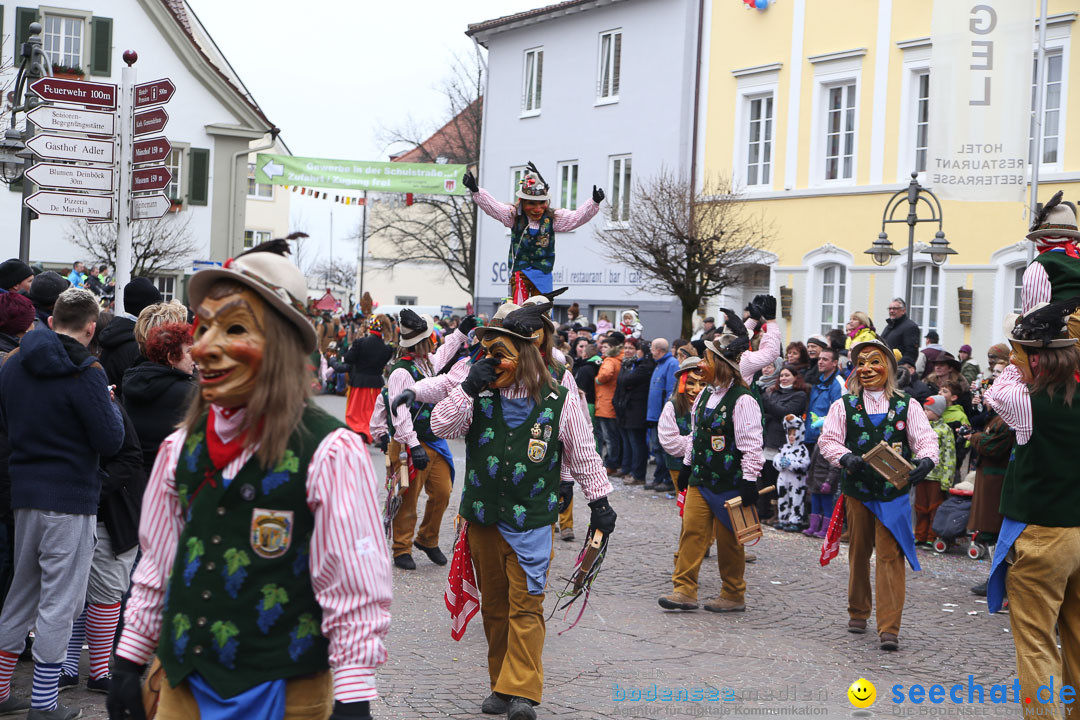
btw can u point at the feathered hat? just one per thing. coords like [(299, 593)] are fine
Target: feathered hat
[(414, 328), (533, 186), (1055, 219), (1043, 326), (548, 297), (523, 322)]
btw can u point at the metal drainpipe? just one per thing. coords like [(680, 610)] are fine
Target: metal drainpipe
[(274, 132)]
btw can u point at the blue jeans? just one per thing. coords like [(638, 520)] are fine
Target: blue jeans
[(661, 475), (635, 454), (613, 442), (822, 504)]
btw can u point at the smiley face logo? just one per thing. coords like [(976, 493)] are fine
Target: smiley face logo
[(862, 693)]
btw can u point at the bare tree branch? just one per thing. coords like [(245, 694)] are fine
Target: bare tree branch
[(157, 246), (333, 272)]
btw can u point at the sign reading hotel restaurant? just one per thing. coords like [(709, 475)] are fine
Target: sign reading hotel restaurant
[(72, 177), (980, 98), (392, 177), (59, 147), (77, 92), (92, 122)]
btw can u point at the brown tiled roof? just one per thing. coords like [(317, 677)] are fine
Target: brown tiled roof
[(528, 14), (446, 141)]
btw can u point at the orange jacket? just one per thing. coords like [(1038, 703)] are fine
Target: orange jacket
[(605, 386)]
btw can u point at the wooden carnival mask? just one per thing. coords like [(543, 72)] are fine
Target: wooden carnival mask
[(707, 368), (691, 384), (229, 345), (503, 349), (1020, 358), (872, 368)]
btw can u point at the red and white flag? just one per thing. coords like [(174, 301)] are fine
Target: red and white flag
[(462, 597), (831, 547)]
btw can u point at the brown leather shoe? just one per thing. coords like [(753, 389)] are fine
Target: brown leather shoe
[(567, 534), (857, 626), (631, 480), (889, 641), (723, 605), (750, 557), (844, 538), (677, 601)]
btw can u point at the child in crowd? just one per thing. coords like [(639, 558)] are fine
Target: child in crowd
[(604, 325), (791, 462), (822, 480), (956, 418), (930, 493)]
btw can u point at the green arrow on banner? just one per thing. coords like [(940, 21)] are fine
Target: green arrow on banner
[(360, 175)]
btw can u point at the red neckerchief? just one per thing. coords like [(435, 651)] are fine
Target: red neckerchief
[(1069, 248), (222, 453)]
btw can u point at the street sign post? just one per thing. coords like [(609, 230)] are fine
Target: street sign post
[(156, 92), (60, 147), (70, 204), (155, 177), (150, 122), (72, 177), (78, 92), (150, 150), (145, 207), (92, 122)]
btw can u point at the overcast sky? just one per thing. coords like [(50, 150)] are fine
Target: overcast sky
[(331, 73)]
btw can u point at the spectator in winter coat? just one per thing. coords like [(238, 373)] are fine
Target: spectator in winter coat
[(797, 358), (44, 290), (119, 349), (968, 368), (631, 403), (859, 328), (826, 389), (901, 333), (366, 360), (813, 347), (822, 480), (661, 385), (787, 397), (15, 276), (586, 366), (606, 379), (908, 381)]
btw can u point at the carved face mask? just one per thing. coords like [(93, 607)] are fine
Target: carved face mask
[(707, 368), (503, 349), (872, 368), (694, 384), (229, 345), (1020, 358)]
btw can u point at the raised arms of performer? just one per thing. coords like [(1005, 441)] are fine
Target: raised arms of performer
[(401, 380), (921, 437), (565, 220), (768, 350), (1009, 397), (350, 573)]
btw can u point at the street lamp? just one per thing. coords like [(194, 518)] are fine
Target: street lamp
[(882, 251)]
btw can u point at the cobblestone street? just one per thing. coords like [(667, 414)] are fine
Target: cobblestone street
[(788, 655)]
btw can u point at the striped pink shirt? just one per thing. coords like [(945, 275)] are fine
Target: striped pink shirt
[(667, 432), (748, 433), (452, 418), (565, 220), (921, 437), (400, 380), (349, 562), (1010, 398), (1035, 287), (768, 350)]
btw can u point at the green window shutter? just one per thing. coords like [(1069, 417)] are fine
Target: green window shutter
[(23, 18), (198, 176), (101, 46)]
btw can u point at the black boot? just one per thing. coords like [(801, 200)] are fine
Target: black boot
[(405, 562), (434, 554), (979, 589), (520, 709), (495, 704)]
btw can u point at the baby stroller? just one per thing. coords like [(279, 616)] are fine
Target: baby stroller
[(951, 519)]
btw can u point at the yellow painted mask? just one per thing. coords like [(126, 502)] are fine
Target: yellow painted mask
[(503, 349), (229, 346), (872, 368)]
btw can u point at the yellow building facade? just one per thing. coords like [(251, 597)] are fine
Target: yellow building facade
[(818, 109)]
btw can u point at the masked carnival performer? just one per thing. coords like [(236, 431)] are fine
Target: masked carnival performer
[(1054, 274), (533, 224), (520, 429), (723, 460), (673, 427), (365, 360), (878, 514), (263, 565), (431, 466), (1037, 558)]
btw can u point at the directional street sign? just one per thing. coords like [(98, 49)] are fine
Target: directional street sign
[(79, 92), (149, 206), (156, 177), (150, 150), (71, 204), (157, 92), (59, 147), (53, 117), (273, 169), (71, 177), (151, 121)]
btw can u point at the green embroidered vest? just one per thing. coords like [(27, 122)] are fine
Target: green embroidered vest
[(239, 607), (1041, 485), (862, 435), (683, 422), (716, 464), (512, 474), (532, 252), (1064, 274), (421, 412)]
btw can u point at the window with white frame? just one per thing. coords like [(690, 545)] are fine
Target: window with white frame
[(924, 297), (1051, 108), (759, 140), (515, 179), (533, 81), (607, 80), (568, 175), (620, 188), (62, 40), (174, 162), (840, 132), (1018, 288), (258, 190), (833, 296), (921, 98), (166, 285), (255, 237)]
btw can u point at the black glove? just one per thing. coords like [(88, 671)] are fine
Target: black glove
[(407, 397), (419, 457), (383, 443), (481, 374), (467, 323), (734, 323), (748, 493), (469, 182), (762, 307), (683, 481), (920, 471), (597, 195), (853, 463), (566, 495), (351, 711), (603, 517), (125, 691)]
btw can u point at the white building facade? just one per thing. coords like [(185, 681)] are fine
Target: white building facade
[(598, 92)]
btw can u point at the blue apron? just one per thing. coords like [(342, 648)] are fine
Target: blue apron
[(716, 502), (895, 514), (995, 586), (265, 700)]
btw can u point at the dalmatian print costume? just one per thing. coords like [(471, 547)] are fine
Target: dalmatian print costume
[(791, 462)]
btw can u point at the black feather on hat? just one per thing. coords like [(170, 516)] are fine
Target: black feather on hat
[(734, 323), (1045, 326), (411, 320), (528, 319), (532, 168), (1040, 216), (279, 246)]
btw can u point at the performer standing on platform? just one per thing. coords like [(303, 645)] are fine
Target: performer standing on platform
[(533, 224), (1054, 274)]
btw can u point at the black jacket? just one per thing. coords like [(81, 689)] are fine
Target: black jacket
[(366, 359), (156, 398), (123, 481), (585, 376), (913, 386), (775, 405), (7, 515), (902, 335), (631, 398), (119, 351)]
